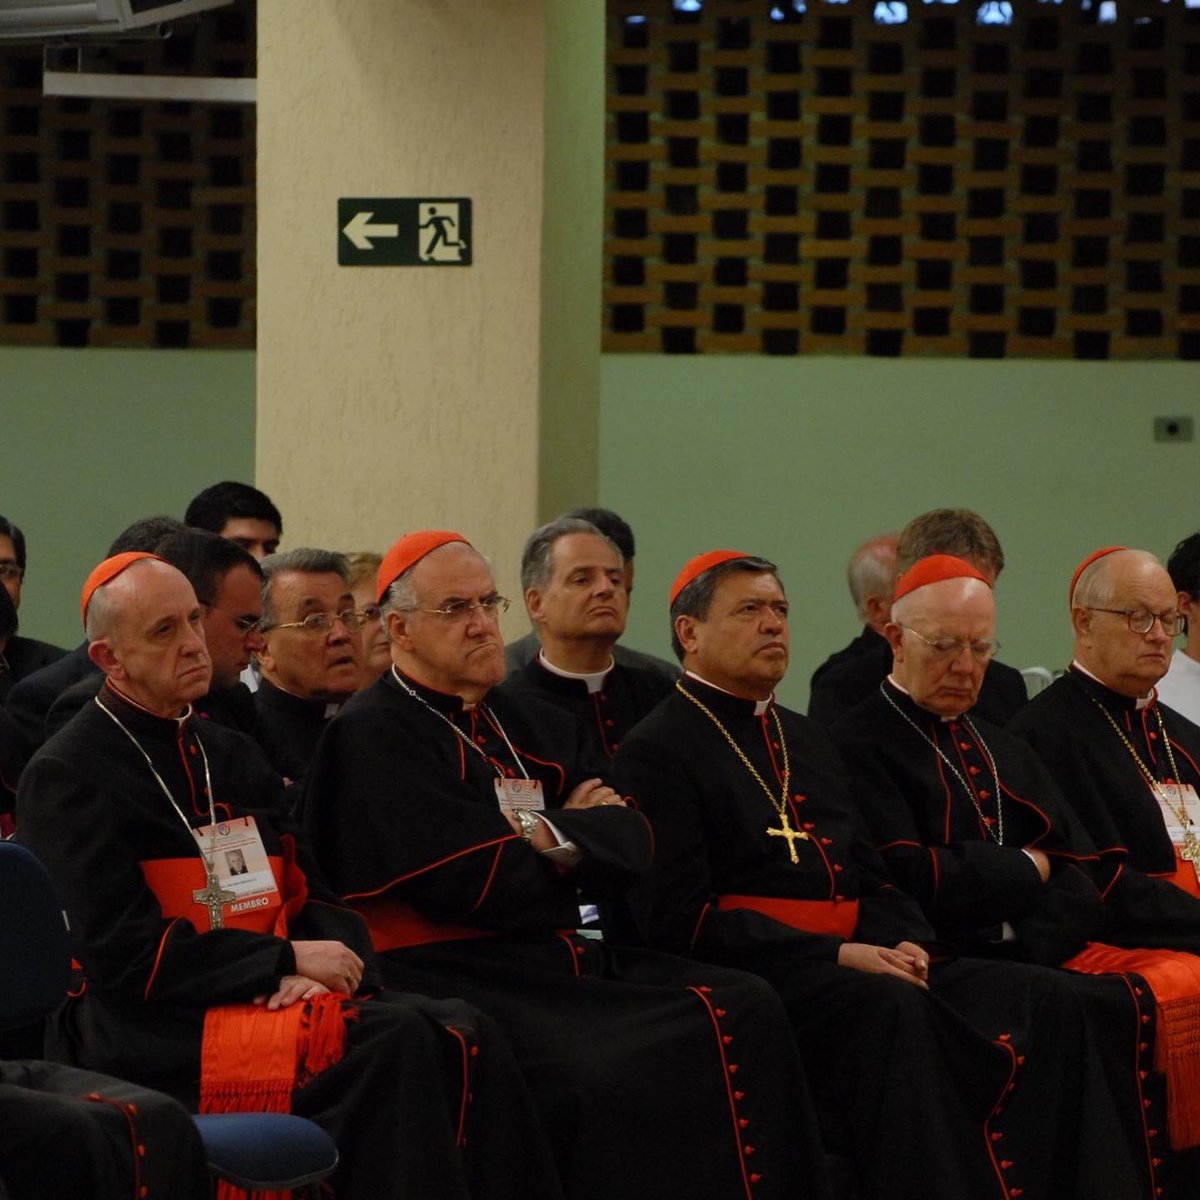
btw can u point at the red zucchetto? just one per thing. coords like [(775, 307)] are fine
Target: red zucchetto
[(1087, 562), (410, 549), (108, 570), (933, 569), (695, 567)]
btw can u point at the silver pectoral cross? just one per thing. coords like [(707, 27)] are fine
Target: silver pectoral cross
[(213, 895), (793, 835), (1190, 851)]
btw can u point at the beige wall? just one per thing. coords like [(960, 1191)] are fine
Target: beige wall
[(397, 398)]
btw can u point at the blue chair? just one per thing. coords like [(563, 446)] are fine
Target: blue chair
[(253, 1151)]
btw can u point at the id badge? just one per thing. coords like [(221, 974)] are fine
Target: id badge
[(239, 857), (512, 794), (1180, 796)]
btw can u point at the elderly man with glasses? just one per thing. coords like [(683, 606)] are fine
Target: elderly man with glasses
[(311, 654), (462, 824)]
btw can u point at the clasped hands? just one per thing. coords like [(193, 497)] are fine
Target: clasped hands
[(320, 967), (906, 961)]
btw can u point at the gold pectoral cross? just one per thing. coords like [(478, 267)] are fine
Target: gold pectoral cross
[(792, 834), (213, 895), (1191, 851)]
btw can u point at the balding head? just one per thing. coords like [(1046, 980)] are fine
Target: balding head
[(145, 633), (871, 575), (942, 638), (1124, 587)]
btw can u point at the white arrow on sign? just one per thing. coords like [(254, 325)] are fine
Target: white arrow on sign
[(360, 231)]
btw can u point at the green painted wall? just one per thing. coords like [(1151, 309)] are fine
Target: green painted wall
[(801, 459), (94, 439)]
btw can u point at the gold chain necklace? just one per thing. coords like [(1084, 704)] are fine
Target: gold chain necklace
[(1190, 850), (780, 805)]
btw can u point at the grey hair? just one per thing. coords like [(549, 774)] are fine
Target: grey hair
[(102, 610), (697, 597), (1094, 588), (401, 596), (537, 557), (871, 572), (307, 561)]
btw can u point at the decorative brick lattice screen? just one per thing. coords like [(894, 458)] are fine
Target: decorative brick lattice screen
[(823, 184), (129, 223)]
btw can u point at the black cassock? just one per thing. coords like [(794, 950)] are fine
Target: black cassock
[(1067, 726), (71, 1133), (855, 678), (914, 1085), (289, 728), (655, 1077), (961, 856), (627, 695), (426, 1099)]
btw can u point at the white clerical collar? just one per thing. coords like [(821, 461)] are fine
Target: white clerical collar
[(593, 679), (1141, 701), (760, 706), (905, 692)]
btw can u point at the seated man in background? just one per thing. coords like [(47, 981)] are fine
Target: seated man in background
[(575, 592), (966, 535), (1179, 688), (517, 654), (760, 862), (310, 658), (19, 656), (240, 513), (376, 650), (31, 698), (871, 574), (238, 992), (449, 816)]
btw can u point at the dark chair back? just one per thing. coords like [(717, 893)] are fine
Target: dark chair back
[(35, 953)]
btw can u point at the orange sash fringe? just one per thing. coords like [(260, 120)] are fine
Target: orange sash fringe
[(1174, 978), (252, 1059)]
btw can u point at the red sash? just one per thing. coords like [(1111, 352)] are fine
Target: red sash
[(252, 1059), (1174, 978), (394, 925), (813, 916)]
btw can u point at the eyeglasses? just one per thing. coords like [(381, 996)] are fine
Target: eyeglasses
[(245, 624), (1141, 620), (10, 570), (949, 647), (461, 610), (370, 612), (323, 622)]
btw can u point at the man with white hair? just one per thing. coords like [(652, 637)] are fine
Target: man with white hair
[(243, 992), (871, 575), (970, 823), (1129, 766), (457, 820)]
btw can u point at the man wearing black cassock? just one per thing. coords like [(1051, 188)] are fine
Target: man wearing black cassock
[(957, 531), (576, 595), (969, 822), (240, 992), (451, 818), (1112, 748), (761, 863)]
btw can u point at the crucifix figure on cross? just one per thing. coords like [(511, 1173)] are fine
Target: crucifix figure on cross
[(213, 896)]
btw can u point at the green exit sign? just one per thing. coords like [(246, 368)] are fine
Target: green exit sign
[(409, 232)]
